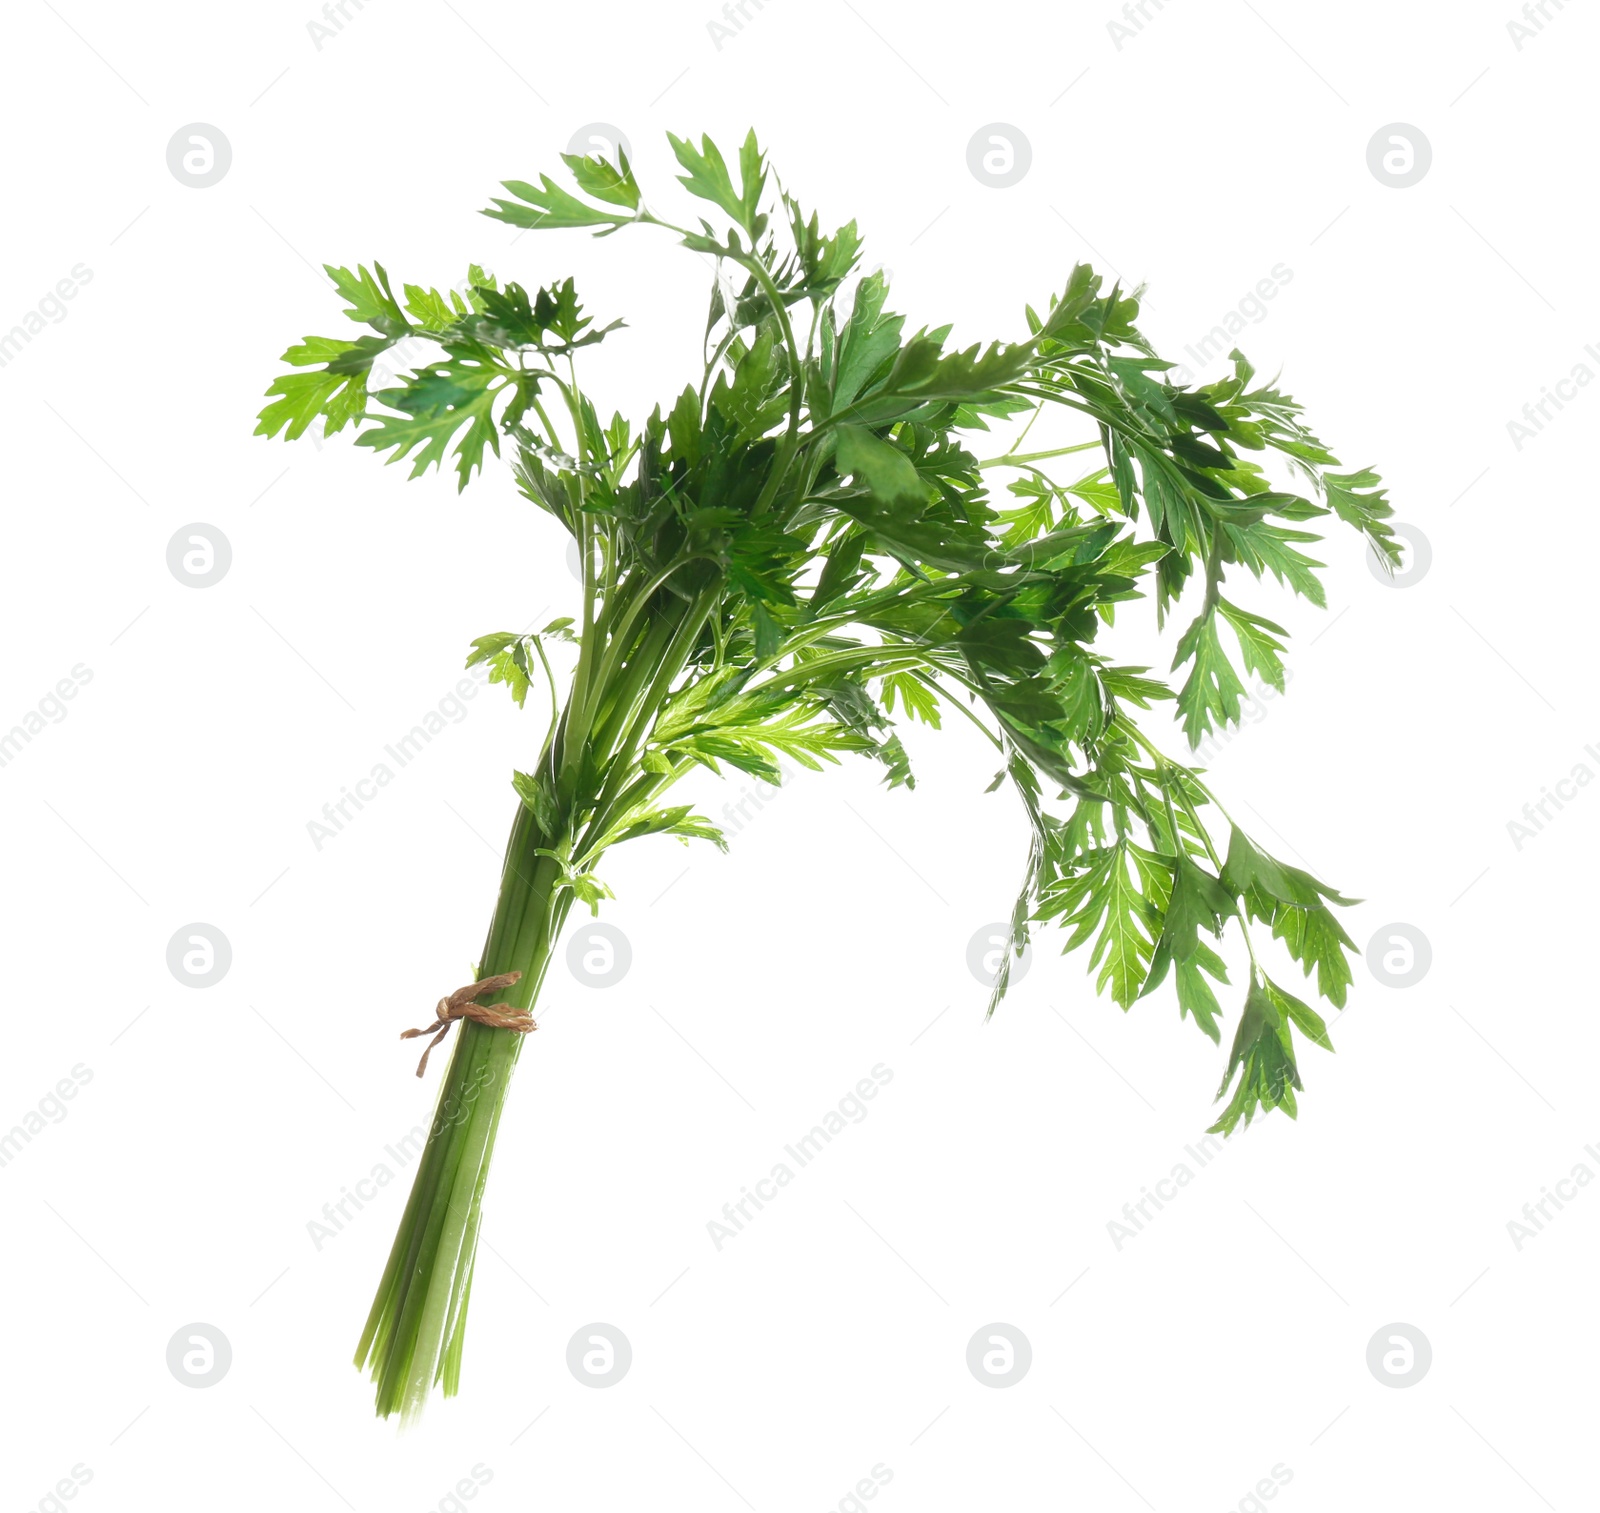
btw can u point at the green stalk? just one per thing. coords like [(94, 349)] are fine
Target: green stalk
[(1015, 459), (414, 1330)]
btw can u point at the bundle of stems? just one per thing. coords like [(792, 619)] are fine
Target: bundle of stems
[(802, 549)]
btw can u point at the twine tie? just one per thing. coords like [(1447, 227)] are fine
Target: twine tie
[(463, 1004)]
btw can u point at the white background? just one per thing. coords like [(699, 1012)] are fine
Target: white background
[(1174, 1373)]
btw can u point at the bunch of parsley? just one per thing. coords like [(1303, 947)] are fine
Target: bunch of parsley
[(803, 548)]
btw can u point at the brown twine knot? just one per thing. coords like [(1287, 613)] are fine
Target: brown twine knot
[(462, 1004)]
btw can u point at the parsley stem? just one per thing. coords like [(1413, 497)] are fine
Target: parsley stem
[(1163, 767), (1015, 459)]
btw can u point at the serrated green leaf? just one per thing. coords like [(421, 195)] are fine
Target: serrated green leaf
[(1315, 937), (1196, 998), (437, 404), (604, 180), (1264, 1057), (707, 176), (1267, 547), (1127, 683), (371, 301), (1115, 898), (1258, 646), (924, 373), (432, 310), (549, 207), (1249, 871), (679, 820), (299, 398), (921, 702), (868, 340), (589, 890), (1211, 694), (1198, 902), (540, 801), (336, 392), (884, 469), (1358, 499)]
